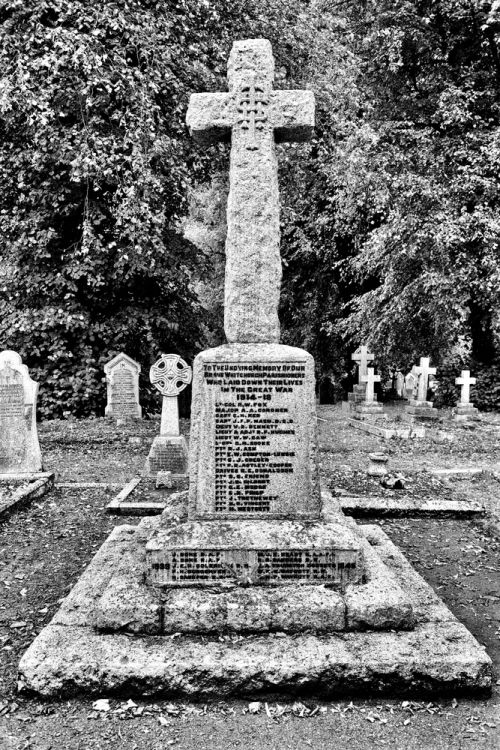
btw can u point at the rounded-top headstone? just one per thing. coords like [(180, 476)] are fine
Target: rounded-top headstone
[(170, 374)]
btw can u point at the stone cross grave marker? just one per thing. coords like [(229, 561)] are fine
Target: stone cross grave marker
[(253, 452), (19, 446), (122, 380), (423, 371), (370, 379), (464, 409), (362, 357), (253, 116), (170, 374), (465, 381)]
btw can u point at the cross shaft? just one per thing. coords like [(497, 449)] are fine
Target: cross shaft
[(254, 117)]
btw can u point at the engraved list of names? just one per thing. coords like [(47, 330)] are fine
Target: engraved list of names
[(260, 437)]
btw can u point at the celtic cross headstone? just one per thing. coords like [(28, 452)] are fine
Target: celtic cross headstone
[(170, 375), (168, 457)]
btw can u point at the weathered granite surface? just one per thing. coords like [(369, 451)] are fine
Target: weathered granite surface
[(19, 446), (253, 450), (253, 116), (129, 605), (439, 656)]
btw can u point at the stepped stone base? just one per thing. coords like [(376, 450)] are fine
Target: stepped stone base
[(167, 454), (423, 410), (370, 409), (465, 413), (128, 604), (71, 657)]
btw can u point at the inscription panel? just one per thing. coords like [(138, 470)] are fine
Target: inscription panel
[(185, 567), (258, 453), (14, 427), (123, 398), (11, 400)]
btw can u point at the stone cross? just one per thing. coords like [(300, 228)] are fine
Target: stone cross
[(423, 371), (254, 117), (465, 381), (362, 356), (370, 379), (170, 375)]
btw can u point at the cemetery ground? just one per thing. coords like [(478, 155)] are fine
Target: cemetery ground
[(45, 546)]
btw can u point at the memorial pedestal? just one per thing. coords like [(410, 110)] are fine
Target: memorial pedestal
[(253, 434), (465, 412), (421, 410), (168, 453)]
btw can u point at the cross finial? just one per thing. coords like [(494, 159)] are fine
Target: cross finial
[(362, 356), (465, 381), (254, 117), (423, 371), (370, 379)]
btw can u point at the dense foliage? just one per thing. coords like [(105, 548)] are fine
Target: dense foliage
[(402, 206), (390, 216)]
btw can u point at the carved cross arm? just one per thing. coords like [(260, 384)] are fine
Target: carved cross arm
[(210, 117), (292, 115)]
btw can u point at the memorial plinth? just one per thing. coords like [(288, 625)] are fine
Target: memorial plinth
[(254, 495), (253, 434)]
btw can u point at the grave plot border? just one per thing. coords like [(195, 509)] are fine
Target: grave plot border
[(358, 507), (124, 505), (39, 484), (387, 433), (439, 657)]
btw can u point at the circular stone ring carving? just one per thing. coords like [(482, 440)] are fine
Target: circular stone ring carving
[(170, 374)]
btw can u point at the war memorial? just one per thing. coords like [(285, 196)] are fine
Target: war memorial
[(254, 548)]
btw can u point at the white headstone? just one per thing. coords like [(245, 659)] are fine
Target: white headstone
[(19, 446), (362, 357), (400, 384), (170, 375), (370, 379), (122, 378), (465, 381), (423, 371)]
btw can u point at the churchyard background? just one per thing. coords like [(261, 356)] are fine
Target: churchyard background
[(112, 219)]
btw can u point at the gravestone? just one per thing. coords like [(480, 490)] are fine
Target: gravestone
[(410, 384), (19, 447), (168, 456), (122, 380), (419, 408), (370, 405), (465, 410), (362, 357), (400, 384)]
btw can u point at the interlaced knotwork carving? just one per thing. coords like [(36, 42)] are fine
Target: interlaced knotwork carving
[(170, 374)]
